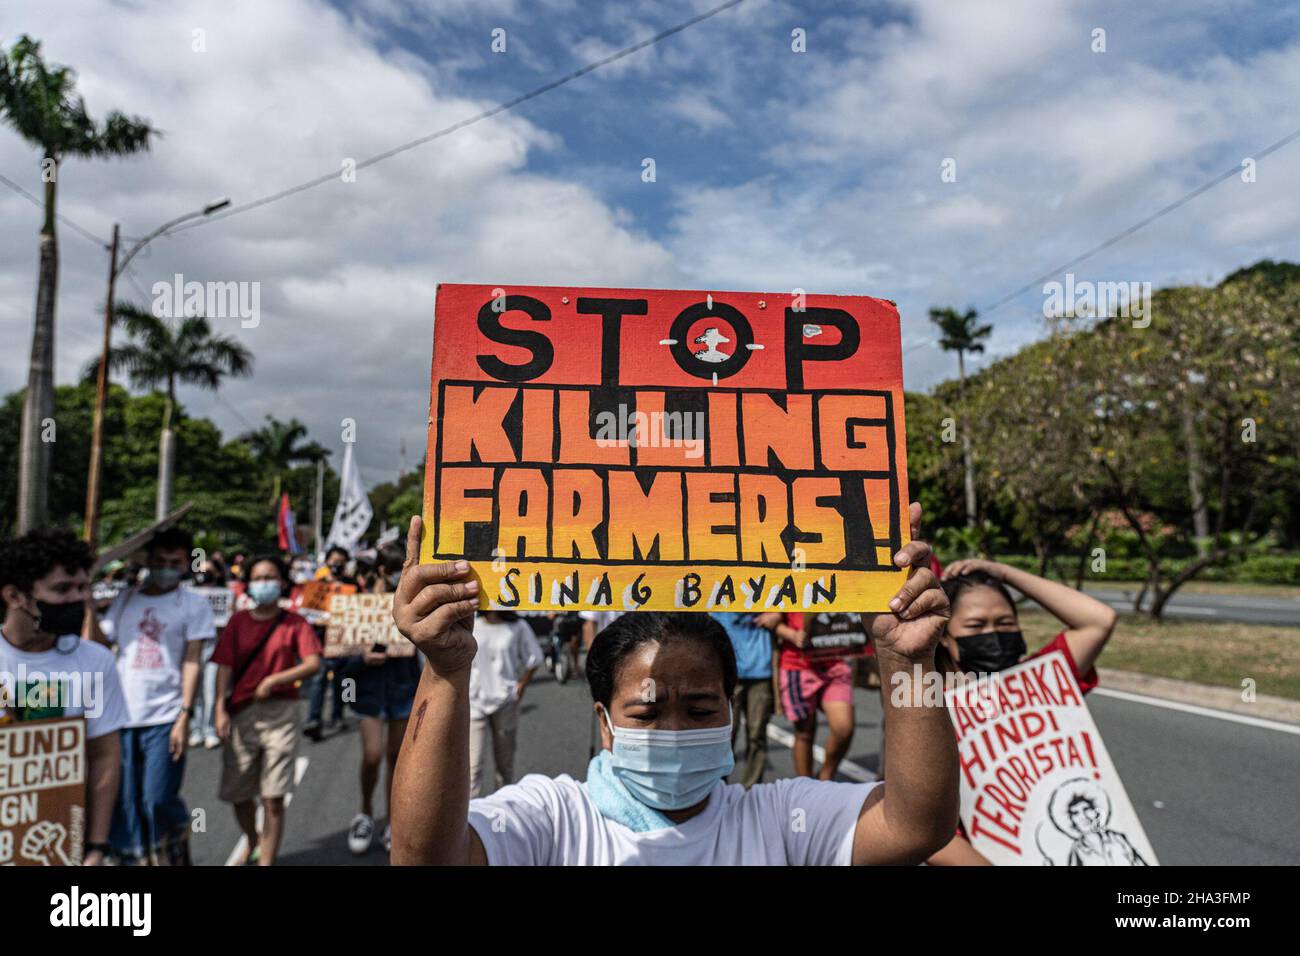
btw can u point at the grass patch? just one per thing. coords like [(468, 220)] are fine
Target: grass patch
[(1219, 653), (1200, 587)]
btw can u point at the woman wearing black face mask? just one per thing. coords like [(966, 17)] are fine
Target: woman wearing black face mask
[(983, 635)]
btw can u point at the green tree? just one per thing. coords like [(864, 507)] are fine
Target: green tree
[(282, 445), (40, 102), (160, 353), (961, 333)]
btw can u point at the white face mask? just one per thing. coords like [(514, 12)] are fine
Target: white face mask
[(671, 769)]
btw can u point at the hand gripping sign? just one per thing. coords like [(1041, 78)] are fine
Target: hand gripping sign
[(1037, 785), (632, 449)]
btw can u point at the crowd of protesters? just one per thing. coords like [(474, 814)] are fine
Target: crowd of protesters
[(169, 675)]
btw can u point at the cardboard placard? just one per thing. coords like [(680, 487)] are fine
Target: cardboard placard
[(42, 792), (1037, 785), (357, 621), (316, 595), (621, 449), (221, 600)]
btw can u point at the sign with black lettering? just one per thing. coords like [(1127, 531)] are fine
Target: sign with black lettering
[(42, 792), (620, 449)]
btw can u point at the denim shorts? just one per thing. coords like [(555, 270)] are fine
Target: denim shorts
[(385, 691)]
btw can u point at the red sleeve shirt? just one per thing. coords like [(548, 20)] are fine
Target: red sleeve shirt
[(1086, 681), (293, 640)]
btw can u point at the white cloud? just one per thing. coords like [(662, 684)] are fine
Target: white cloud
[(283, 92)]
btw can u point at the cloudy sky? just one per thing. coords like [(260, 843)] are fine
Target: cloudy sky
[(818, 170)]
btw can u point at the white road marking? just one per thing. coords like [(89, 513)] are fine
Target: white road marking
[(1201, 711), (847, 767), (299, 771)]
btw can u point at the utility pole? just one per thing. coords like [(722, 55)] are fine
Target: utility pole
[(93, 492), (101, 399)]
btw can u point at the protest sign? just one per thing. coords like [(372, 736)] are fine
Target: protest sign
[(316, 595), (221, 600), (42, 792), (619, 449), (1037, 785), (358, 621)]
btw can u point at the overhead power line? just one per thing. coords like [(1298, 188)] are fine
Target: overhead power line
[(85, 233), (333, 176)]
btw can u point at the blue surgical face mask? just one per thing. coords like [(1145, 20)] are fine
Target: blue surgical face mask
[(671, 769), (264, 592)]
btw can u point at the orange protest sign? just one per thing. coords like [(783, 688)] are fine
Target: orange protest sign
[(667, 450), (316, 594)]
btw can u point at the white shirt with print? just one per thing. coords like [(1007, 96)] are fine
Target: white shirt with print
[(506, 650), (544, 821), (151, 635), (80, 683)]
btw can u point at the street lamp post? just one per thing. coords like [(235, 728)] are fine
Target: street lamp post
[(115, 269)]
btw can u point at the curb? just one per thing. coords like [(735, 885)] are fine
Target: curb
[(1202, 695)]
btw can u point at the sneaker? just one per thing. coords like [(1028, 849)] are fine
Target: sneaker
[(312, 731), (196, 739), (360, 834), (212, 741), (388, 838)]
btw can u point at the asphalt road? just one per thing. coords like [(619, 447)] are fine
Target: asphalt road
[(1243, 608), (1208, 790)]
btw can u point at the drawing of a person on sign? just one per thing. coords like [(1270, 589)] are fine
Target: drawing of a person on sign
[(1080, 809), (711, 339)]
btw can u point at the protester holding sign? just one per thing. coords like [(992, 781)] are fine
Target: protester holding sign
[(385, 690), (263, 654), (983, 636), (47, 671), (662, 684), (159, 629)]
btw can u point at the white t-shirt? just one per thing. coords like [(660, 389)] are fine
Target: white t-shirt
[(505, 651), (544, 821), (151, 635), (81, 683)]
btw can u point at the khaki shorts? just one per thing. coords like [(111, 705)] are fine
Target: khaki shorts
[(257, 760)]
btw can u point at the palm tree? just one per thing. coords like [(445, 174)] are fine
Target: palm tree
[(282, 445), (41, 103), (162, 353), (959, 333)]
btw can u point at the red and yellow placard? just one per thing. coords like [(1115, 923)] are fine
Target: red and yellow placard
[(667, 450)]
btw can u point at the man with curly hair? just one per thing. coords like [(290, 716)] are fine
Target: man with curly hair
[(47, 670)]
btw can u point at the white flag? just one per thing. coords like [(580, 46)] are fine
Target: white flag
[(353, 514)]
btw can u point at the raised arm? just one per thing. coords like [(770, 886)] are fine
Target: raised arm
[(914, 812), (434, 608), (1088, 622)]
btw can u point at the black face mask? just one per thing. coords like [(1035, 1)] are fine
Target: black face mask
[(990, 651), (60, 619)]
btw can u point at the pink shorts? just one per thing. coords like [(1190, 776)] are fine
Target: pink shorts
[(802, 692)]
